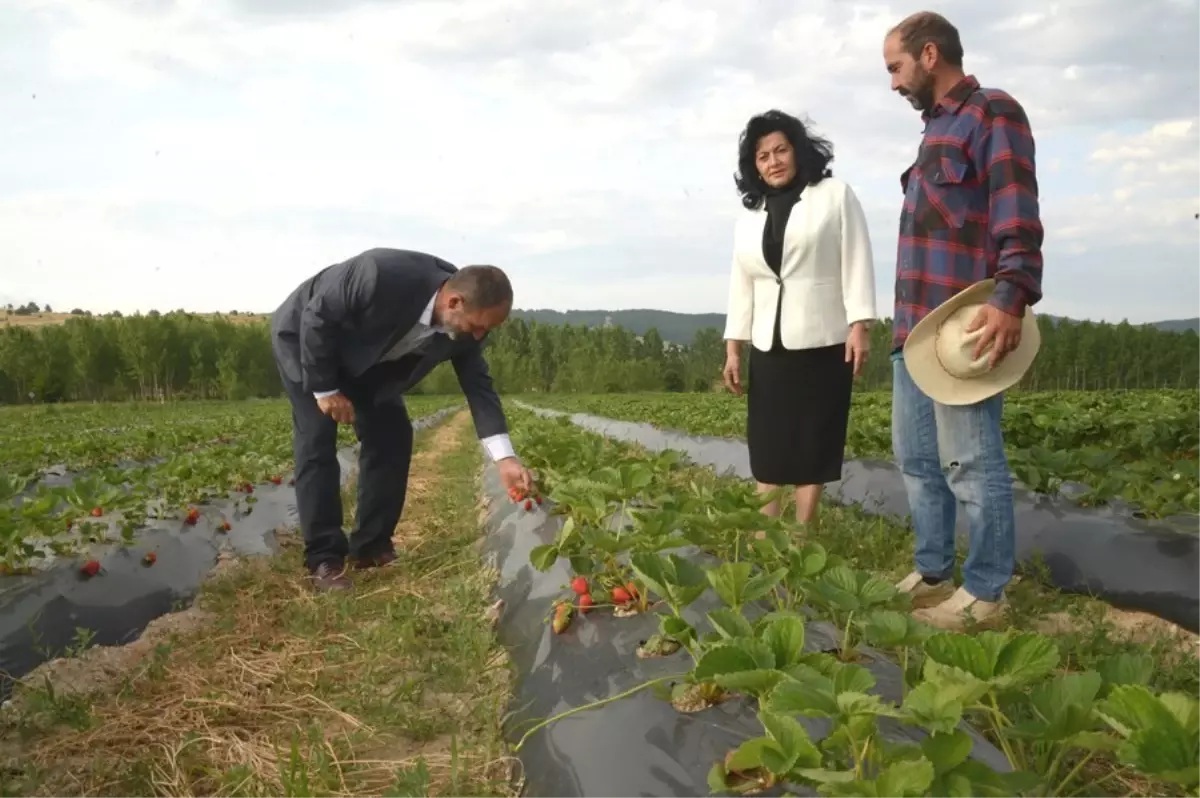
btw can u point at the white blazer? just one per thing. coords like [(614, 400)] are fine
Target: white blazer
[(827, 273)]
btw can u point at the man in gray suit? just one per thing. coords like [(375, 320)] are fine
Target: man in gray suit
[(348, 343)]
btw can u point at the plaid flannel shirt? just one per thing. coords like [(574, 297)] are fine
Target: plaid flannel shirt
[(970, 208)]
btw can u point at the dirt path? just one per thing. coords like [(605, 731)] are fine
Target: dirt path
[(269, 688)]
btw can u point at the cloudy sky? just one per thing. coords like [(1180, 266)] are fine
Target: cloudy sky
[(210, 154)]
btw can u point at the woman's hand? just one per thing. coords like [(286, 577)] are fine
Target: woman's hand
[(858, 346), (733, 372)]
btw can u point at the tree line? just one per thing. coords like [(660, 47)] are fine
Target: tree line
[(180, 355)]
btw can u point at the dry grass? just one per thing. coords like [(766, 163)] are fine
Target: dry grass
[(397, 687)]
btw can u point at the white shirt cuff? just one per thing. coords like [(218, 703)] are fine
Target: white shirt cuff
[(499, 446), (323, 394)]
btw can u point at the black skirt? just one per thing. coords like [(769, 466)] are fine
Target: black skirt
[(798, 407)]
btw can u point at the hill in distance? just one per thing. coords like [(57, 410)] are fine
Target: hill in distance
[(678, 328), (681, 328)]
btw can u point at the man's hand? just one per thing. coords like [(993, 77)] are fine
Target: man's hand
[(516, 477), (858, 346), (1001, 329), (337, 407)]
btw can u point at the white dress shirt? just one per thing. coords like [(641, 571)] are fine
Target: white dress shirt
[(498, 446)]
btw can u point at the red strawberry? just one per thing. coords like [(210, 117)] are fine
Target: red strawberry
[(248, 488), (620, 596), (539, 499), (528, 505), (631, 588), (90, 568), (192, 517), (97, 512), (579, 585), (585, 602), (277, 480), (225, 526), (150, 558), (69, 522)]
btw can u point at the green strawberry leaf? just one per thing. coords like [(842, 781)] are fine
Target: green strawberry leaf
[(730, 623), (784, 634), (729, 581), (961, 652), (544, 557), (732, 657), (892, 629), (794, 746), (932, 708), (581, 564), (1025, 659), (804, 692), (756, 682), (947, 750), (761, 584), (1125, 668), (905, 778)]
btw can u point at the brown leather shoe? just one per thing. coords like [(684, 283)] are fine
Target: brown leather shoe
[(327, 576), (374, 561)]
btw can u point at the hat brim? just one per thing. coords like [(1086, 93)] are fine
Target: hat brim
[(935, 382)]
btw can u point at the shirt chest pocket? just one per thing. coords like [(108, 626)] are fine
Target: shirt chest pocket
[(949, 190)]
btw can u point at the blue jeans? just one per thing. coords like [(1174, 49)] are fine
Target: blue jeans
[(949, 454)]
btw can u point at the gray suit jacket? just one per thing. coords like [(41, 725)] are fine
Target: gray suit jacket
[(338, 323)]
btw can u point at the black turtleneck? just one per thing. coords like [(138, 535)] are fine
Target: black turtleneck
[(779, 204)]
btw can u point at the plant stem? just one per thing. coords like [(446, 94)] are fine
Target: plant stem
[(611, 699), (854, 754), (1055, 763), (1073, 773), (862, 757), (998, 722), (903, 673), (846, 636)]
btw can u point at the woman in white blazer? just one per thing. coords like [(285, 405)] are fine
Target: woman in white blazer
[(802, 292)]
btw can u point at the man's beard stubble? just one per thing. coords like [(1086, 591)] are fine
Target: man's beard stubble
[(921, 94)]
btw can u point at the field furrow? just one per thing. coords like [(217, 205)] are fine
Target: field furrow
[(1139, 446)]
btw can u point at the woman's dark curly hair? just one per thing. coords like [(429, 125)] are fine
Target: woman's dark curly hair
[(813, 154)]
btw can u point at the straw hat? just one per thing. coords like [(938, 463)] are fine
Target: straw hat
[(938, 351)]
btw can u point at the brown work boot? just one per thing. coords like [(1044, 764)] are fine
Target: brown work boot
[(374, 561), (328, 576)]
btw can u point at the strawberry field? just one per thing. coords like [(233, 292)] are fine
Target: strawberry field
[(759, 657), (74, 475), (1138, 446)]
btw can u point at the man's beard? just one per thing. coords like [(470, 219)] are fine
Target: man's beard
[(921, 95)]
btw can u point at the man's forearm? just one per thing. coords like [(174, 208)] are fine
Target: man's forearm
[(1014, 210)]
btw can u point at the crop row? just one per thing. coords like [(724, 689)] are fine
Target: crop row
[(1141, 446), (1056, 724), (130, 462)]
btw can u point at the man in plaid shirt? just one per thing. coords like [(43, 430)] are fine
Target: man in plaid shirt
[(970, 212)]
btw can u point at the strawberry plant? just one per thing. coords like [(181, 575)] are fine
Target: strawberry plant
[(1141, 446), (679, 582), (133, 462), (626, 513), (842, 593)]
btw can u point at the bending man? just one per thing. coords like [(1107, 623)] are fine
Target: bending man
[(348, 343)]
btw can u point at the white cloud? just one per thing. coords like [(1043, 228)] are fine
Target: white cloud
[(211, 154)]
